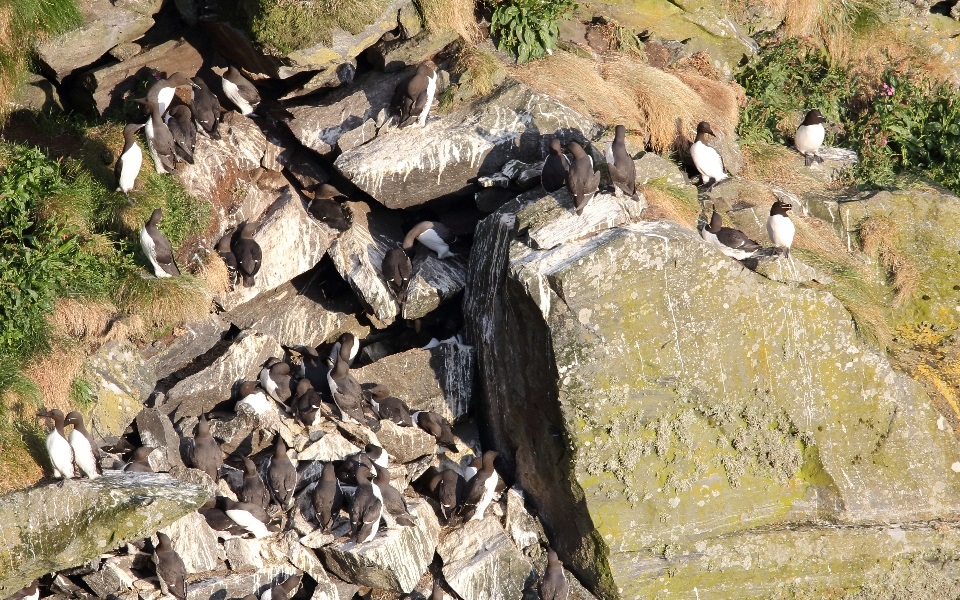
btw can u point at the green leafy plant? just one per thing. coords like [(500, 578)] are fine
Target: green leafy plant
[(528, 29)]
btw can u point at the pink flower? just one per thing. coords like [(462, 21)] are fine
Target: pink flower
[(883, 141)]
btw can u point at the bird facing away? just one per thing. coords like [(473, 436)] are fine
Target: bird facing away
[(139, 462), (810, 136), (555, 167), (157, 247), (366, 509), (130, 160), (159, 139), (780, 229), (414, 98), (480, 490), (248, 253), (229, 259), (623, 172), (437, 426), (282, 475), (448, 488), (326, 209), (706, 159), (346, 391), (732, 242), (205, 453), (327, 498), (392, 499), (170, 568), (240, 91), (397, 270), (253, 491), (433, 235), (206, 108), (184, 132), (554, 585), (582, 180), (58, 448), (86, 454)]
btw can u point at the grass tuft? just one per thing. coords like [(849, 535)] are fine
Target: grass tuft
[(668, 201), (442, 16), (881, 237), (164, 303)]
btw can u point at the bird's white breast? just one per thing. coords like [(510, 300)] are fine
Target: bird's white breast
[(707, 160), (248, 522), (233, 93), (61, 454), (131, 161), (489, 488), (781, 230), (257, 403), (431, 90), (164, 98), (83, 454), (809, 138), (430, 239)]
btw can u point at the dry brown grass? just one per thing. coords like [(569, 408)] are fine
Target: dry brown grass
[(627, 91), (666, 201), (215, 274), (54, 374), (881, 238), (775, 164), (451, 15), (85, 321), (165, 303)]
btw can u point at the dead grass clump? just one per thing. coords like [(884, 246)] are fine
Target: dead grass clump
[(881, 238), (86, 321), (774, 164), (215, 274), (54, 374), (671, 202), (451, 15), (164, 303)]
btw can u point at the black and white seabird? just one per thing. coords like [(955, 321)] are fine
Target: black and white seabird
[(555, 167), (732, 242), (346, 347), (326, 209), (413, 98), (253, 400), (306, 404), (554, 585), (810, 136), (184, 132), (437, 426), (159, 139), (480, 490), (170, 568), (388, 407), (433, 235), (346, 391), (473, 468), (448, 488), (86, 454), (162, 91), (378, 456), (706, 159), (582, 180), (327, 497), (780, 229), (282, 591), (366, 508), (623, 173), (31, 592), (139, 461), (130, 160), (205, 453), (392, 499), (275, 379), (251, 517), (206, 108), (229, 259), (218, 520), (252, 490), (281, 475), (706, 231), (240, 91), (157, 247), (58, 448), (397, 270), (248, 253)]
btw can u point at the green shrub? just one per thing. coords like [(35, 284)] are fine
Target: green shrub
[(528, 29)]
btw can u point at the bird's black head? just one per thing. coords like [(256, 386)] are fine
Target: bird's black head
[(780, 208), (814, 118)]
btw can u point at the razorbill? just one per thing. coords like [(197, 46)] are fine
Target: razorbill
[(327, 498), (780, 229), (433, 235), (480, 490), (706, 159), (810, 136), (184, 132), (623, 173), (392, 499), (139, 461), (162, 91), (281, 475), (58, 448), (555, 167), (170, 568), (86, 454), (206, 108), (397, 270), (366, 508), (205, 453), (582, 180), (248, 253), (252, 489), (389, 408), (157, 247), (251, 517), (437, 426), (732, 242), (240, 91), (413, 98), (159, 139), (130, 160), (554, 585), (229, 259), (218, 520)]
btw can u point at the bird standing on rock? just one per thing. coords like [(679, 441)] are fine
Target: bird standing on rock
[(58, 448), (706, 159), (346, 347), (184, 132), (480, 490), (554, 585), (366, 509), (325, 209), (448, 488), (252, 489), (251, 517), (306, 405), (206, 108), (205, 453), (732, 242), (275, 379), (555, 167), (780, 229), (437, 426), (392, 499), (240, 91), (582, 181), (282, 475), (157, 247), (130, 160), (390, 408), (623, 172), (229, 259), (397, 270), (810, 136), (163, 90), (86, 454), (170, 568), (433, 235), (414, 98), (248, 253), (159, 139), (346, 391), (327, 498)]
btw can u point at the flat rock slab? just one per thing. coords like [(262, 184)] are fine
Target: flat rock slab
[(204, 390), (395, 560), (439, 379), (105, 24), (434, 281), (194, 541), (238, 585), (101, 515), (156, 430), (292, 243), (480, 561), (121, 382), (198, 337), (408, 167), (550, 220), (405, 444)]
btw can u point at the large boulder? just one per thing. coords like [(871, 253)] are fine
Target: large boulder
[(49, 528), (194, 338), (480, 561), (121, 381), (106, 23), (659, 403), (408, 167), (434, 281)]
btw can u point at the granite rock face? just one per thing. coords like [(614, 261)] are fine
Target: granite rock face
[(696, 408), (407, 167), (121, 381), (84, 519), (480, 561)]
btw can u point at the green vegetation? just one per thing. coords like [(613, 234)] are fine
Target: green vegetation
[(528, 29)]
